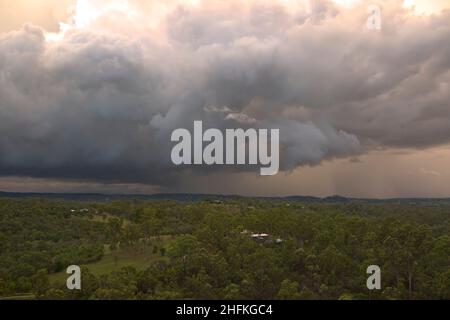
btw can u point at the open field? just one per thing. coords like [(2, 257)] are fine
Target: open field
[(139, 258)]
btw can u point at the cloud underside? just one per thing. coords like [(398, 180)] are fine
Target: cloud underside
[(100, 104)]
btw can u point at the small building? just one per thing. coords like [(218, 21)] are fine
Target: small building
[(260, 236)]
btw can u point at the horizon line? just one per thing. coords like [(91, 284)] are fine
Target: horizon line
[(335, 196)]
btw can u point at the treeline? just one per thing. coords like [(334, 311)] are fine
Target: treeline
[(311, 251)]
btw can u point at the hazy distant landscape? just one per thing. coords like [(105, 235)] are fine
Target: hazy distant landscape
[(213, 247)]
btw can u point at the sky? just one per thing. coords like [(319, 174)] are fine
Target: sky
[(90, 91)]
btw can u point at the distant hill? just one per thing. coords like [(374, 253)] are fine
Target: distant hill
[(111, 197), (185, 197)]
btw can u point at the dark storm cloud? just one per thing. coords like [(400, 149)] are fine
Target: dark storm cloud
[(101, 105)]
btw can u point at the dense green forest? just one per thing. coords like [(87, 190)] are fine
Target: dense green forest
[(223, 249)]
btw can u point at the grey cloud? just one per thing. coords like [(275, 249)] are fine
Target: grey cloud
[(99, 106)]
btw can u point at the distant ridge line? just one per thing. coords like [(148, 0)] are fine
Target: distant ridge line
[(202, 197)]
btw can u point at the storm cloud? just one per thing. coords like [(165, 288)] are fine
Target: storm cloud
[(100, 103)]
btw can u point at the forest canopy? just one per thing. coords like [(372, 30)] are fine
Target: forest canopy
[(223, 249)]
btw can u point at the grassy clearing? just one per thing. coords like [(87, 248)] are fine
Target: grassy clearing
[(139, 258)]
